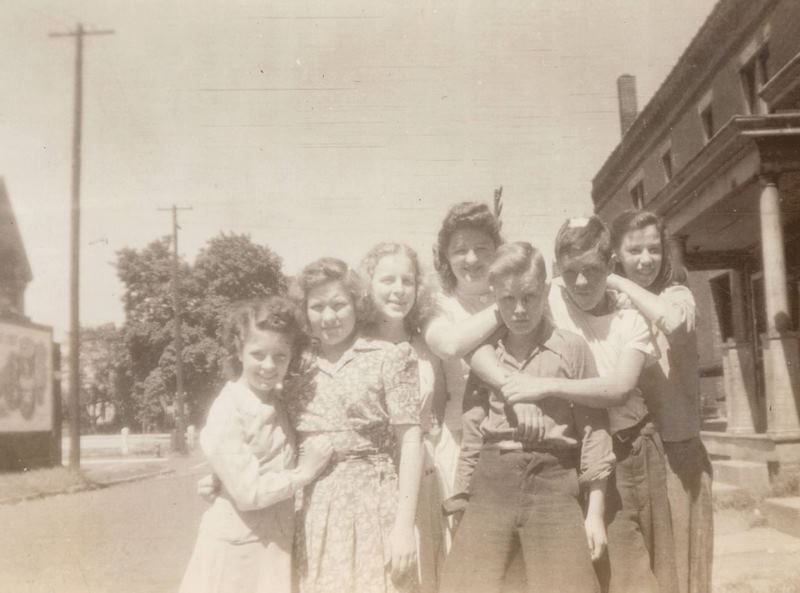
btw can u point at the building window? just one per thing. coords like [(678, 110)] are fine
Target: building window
[(637, 195), (723, 303), (754, 75), (666, 162), (707, 119)]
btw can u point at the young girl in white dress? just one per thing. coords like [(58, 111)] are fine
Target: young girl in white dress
[(245, 540)]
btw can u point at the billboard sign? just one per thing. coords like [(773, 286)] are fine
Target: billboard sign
[(26, 378)]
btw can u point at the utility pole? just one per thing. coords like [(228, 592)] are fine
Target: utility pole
[(180, 421), (75, 233)]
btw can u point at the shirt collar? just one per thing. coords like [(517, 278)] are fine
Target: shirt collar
[(546, 338)]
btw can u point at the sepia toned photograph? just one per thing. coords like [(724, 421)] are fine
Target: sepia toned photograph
[(417, 297)]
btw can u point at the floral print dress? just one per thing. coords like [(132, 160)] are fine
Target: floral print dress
[(348, 513)]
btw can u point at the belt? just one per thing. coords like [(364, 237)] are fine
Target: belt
[(630, 433)]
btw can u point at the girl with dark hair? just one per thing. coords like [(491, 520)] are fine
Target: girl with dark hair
[(465, 317), (648, 279), (245, 539), (399, 302), (356, 529)]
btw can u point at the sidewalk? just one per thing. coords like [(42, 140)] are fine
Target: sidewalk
[(750, 557)]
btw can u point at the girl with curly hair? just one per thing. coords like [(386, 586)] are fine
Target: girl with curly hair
[(399, 302), (361, 395), (245, 539), (465, 317)]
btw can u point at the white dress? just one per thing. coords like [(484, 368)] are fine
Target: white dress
[(244, 544)]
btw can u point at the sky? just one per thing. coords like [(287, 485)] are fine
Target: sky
[(317, 128)]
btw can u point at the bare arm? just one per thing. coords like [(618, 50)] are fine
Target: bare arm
[(594, 522), (484, 363), (403, 541), (671, 316), (596, 392), (448, 339)]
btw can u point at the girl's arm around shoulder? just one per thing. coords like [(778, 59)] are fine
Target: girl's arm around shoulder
[(454, 339), (679, 319), (224, 442)]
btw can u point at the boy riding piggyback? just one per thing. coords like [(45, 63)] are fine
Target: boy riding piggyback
[(526, 495)]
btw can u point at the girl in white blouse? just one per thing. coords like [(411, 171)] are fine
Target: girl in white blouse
[(244, 544)]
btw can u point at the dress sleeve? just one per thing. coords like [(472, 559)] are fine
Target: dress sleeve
[(679, 320), (223, 440), (401, 384)]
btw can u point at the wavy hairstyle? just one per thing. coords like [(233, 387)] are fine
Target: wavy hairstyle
[(423, 296), (325, 270), (276, 313), (464, 215), (634, 220)]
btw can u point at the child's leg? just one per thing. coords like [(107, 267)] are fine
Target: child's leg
[(552, 534), (485, 541)]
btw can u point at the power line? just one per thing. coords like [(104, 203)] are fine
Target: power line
[(180, 421), (75, 230)]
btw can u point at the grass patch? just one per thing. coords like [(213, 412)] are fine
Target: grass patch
[(41, 482)]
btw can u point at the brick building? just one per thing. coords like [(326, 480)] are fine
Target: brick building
[(716, 151)]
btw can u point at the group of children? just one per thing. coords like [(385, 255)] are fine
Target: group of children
[(502, 433)]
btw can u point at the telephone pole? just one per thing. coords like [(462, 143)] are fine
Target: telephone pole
[(180, 421), (75, 232)]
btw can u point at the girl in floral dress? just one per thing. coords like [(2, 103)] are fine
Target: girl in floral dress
[(245, 539), (356, 526), (398, 302)]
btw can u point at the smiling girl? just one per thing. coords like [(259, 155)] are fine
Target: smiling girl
[(671, 388), (245, 539), (356, 529), (399, 302)]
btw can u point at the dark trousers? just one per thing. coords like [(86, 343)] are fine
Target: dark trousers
[(528, 502), (641, 553)]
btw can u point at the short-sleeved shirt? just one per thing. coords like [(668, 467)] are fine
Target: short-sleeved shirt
[(560, 354), (608, 337), (671, 387), (458, 307), (356, 401)]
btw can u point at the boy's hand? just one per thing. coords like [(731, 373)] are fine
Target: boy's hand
[(208, 487), (522, 388), (596, 535), (530, 423)]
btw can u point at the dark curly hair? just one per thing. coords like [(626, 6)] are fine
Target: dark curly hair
[(423, 297), (464, 215), (325, 270), (277, 313), (633, 220)]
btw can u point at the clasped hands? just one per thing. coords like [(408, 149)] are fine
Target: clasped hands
[(521, 391)]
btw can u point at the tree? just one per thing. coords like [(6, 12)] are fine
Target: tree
[(105, 379), (230, 267)]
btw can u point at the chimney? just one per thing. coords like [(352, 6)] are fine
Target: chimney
[(626, 92)]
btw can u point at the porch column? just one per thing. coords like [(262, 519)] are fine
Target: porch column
[(780, 344), (738, 367)]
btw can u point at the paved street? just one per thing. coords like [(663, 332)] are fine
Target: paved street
[(137, 537), (130, 538)]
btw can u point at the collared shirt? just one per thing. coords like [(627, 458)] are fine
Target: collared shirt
[(561, 354), (608, 337)]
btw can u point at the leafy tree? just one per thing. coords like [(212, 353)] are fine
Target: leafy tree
[(230, 267)]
